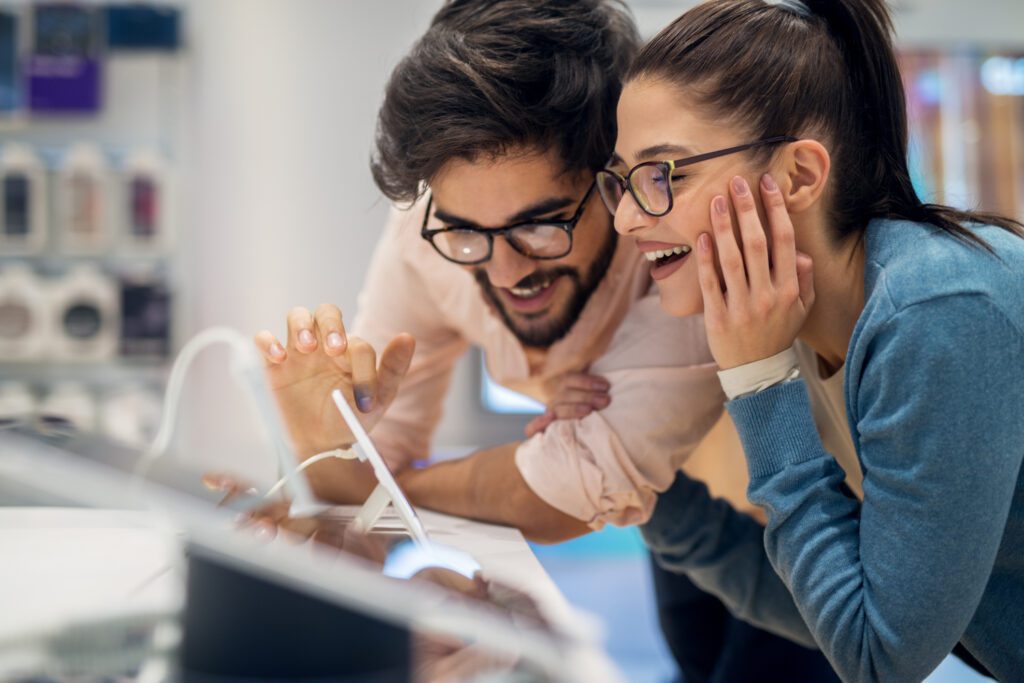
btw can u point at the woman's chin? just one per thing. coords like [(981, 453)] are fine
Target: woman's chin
[(679, 302)]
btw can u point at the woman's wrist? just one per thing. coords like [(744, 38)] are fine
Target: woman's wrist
[(758, 375)]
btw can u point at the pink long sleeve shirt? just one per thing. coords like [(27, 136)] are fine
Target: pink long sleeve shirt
[(607, 467)]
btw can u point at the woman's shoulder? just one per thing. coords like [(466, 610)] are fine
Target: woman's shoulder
[(909, 263)]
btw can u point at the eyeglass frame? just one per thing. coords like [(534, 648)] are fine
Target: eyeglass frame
[(671, 166), (490, 233)]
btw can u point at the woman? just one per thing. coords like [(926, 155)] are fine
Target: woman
[(762, 166)]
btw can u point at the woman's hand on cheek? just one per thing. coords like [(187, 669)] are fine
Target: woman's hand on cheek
[(764, 301)]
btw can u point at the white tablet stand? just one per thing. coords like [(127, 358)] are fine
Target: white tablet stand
[(387, 491)]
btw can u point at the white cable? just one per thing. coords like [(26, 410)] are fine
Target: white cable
[(336, 453), (175, 386), (248, 368)]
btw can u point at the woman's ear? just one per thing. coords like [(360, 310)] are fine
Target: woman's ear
[(805, 169)]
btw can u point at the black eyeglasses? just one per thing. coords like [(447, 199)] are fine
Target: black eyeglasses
[(536, 239), (650, 183)]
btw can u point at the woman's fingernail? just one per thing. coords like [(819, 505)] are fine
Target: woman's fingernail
[(276, 350), (600, 385), (263, 531), (739, 186), (704, 242), (306, 338), (768, 182), (721, 208), (334, 340)]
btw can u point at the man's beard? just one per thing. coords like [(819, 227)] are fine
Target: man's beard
[(543, 336)]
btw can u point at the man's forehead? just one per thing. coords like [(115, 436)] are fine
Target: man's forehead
[(492, 193)]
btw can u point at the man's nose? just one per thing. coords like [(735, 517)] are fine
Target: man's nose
[(507, 266)]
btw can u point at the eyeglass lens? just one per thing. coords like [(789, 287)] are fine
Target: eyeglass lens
[(535, 241), (651, 187)]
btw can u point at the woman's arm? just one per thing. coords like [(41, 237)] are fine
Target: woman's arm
[(888, 587), (722, 551)]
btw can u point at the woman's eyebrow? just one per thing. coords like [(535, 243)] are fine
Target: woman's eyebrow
[(665, 149)]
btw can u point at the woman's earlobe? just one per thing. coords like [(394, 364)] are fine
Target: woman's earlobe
[(807, 166)]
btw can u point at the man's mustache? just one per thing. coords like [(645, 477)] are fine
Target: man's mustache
[(535, 279)]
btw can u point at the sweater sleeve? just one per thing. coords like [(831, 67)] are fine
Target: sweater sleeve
[(722, 551), (888, 586)]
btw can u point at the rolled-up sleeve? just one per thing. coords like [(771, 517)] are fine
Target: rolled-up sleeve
[(608, 467)]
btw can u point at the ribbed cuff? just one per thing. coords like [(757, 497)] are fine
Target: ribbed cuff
[(776, 427)]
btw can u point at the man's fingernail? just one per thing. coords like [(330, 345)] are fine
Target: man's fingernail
[(363, 400), (306, 338), (739, 186), (768, 182), (276, 350), (334, 340), (721, 208)]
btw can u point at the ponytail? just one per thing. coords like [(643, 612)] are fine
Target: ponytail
[(825, 68)]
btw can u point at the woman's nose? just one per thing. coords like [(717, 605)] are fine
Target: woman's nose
[(629, 217)]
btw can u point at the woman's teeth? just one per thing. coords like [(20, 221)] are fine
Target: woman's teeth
[(662, 253)]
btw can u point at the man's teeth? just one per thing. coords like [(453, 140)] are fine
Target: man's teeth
[(528, 292), (662, 253)]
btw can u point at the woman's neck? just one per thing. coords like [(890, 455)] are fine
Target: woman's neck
[(838, 299)]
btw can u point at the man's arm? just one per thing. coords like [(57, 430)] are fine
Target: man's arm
[(488, 486)]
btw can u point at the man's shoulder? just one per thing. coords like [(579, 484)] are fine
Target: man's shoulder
[(648, 337)]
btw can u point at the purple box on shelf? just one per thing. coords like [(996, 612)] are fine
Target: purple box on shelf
[(63, 85)]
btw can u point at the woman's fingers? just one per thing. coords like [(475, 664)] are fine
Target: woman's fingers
[(270, 348), (539, 423), (586, 382), (755, 241), (330, 329), (228, 485), (394, 363), (707, 276), (301, 337), (363, 360), (783, 238), (571, 411), (729, 256)]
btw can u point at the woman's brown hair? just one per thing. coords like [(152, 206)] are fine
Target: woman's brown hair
[(818, 68)]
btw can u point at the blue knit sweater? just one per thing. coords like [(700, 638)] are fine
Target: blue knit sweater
[(934, 382)]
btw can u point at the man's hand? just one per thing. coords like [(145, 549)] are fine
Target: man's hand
[(318, 358), (573, 396)]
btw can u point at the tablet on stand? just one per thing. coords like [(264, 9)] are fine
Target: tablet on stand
[(387, 491)]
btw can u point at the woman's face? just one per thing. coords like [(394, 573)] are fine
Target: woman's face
[(656, 123)]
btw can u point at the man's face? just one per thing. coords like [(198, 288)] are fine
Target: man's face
[(539, 300)]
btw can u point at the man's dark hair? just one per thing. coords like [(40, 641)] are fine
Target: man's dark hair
[(492, 75)]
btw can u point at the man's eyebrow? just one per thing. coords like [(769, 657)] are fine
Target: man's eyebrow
[(541, 208)]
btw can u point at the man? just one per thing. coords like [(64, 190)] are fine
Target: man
[(505, 110)]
